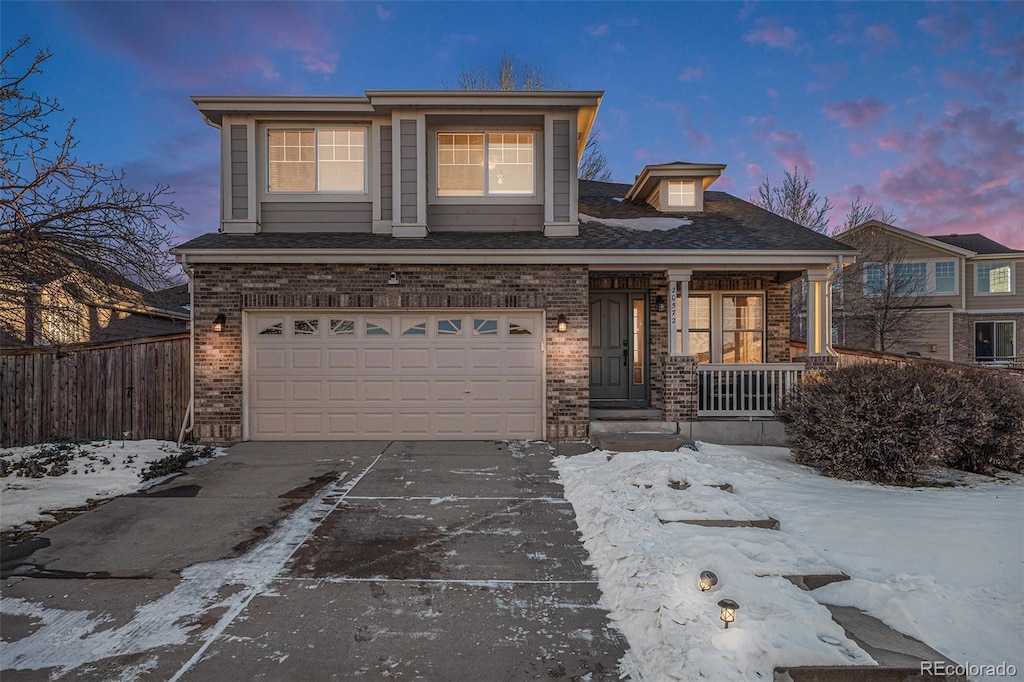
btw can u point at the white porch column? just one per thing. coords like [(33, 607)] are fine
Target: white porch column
[(819, 313), (679, 311)]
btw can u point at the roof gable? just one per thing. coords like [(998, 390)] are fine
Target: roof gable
[(906, 234)]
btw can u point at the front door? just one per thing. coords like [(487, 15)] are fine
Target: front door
[(618, 348)]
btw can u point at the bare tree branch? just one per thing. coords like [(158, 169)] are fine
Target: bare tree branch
[(511, 76), (62, 219), (794, 199), (861, 211)]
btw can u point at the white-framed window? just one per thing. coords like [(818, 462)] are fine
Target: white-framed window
[(995, 277), (923, 278), (486, 163), (682, 194), (317, 160), (727, 327), (994, 341)]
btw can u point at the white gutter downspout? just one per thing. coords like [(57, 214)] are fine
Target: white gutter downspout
[(188, 423)]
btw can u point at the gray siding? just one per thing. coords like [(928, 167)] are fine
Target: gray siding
[(239, 173), (408, 171), (386, 177), (562, 175), (320, 216), (485, 218)]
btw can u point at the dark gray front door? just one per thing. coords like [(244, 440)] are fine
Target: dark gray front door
[(618, 348), (609, 346)]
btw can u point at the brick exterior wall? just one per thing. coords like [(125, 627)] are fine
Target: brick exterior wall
[(229, 289), (963, 333), (680, 388)]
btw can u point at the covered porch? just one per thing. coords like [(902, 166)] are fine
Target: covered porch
[(677, 345)]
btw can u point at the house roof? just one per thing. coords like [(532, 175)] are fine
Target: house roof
[(978, 243), (727, 224)]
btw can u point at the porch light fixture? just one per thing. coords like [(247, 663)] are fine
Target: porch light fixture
[(218, 322), (707, 580), (728, 607), (393, 278), (659, 304), (563, 324)]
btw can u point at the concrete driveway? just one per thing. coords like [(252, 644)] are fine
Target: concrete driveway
[(403, 560)]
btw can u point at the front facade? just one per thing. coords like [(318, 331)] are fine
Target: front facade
[(426, 265), (966, 291)]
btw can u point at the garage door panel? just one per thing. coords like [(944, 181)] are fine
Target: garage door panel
[(522, 391), (342, 390), (435, 374), (449, 358), (307, 390), (306, 358), (378, 390), (271, 391), (265, 359), (342, 359)]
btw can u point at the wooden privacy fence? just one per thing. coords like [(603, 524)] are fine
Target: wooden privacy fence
[(93, 391)]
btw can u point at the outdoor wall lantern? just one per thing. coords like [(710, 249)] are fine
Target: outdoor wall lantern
[(659, 303), (218, 322), (393, 278), (563, 324), (728, 607), (707, 580)]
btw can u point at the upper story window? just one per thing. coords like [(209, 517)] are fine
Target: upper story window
[(316, 160), (994, 278), (682, 194), (909, 278), (509, 168)]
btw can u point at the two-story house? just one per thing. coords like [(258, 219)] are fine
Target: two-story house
[(966, 292), (425, 264)]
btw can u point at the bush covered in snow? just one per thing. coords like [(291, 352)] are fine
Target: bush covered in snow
[(883, 422)]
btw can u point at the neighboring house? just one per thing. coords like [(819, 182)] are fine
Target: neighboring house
[(78, 302), (966, 293), (426, 265)]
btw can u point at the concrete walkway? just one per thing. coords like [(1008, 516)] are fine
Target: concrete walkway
[(413, 561)]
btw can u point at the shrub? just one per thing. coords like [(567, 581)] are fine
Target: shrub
[(882, 422), (172, 464)]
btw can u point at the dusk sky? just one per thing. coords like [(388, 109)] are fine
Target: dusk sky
[(918, 107)]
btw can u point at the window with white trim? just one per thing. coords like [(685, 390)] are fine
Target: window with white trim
[(485, 164), (923, 278), (313, 160), (993, 278), (682, 194), (993, 341), (726, 327)]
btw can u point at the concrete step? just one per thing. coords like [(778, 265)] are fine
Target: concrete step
[(633, 427), (637, 442), (625, 414), (899, 657)]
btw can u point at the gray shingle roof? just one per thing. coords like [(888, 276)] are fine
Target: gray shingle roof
[(726, 224), (978, 243)]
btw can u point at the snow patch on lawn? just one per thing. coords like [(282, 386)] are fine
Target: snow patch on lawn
[(942, 565), (102, 469)]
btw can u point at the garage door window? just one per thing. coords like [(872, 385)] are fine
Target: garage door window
[(274, 329), (449, 327), (343, 327), (374, 329), (485, 327), (306, 327), (415, 329)]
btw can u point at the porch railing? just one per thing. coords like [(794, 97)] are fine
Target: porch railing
[(743, 390)]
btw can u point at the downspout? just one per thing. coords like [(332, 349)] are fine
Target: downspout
[(188, 423)]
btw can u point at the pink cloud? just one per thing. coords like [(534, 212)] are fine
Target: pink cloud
[(991, 184), (858, 149), (880, 34), (755, 171), (769, 33), (950, 29), (856, 113), (383, 14), (977, 82), (691, 73), (317, 64), (597, 30)]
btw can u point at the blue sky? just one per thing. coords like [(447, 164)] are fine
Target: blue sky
[(917, 107)]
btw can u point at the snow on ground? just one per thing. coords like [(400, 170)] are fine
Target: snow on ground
[(639, 224), (98, 470), (940, 564)]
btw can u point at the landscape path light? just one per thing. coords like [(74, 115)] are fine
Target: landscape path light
[(707, 580), (728, 607)]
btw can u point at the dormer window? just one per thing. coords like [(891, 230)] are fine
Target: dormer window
[(682, 194), (461, 168)]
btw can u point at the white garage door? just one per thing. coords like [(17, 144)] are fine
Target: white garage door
[(426, 375)]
